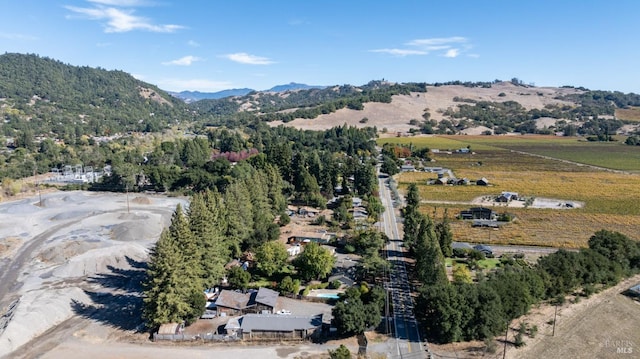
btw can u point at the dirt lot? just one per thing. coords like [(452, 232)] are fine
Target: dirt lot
[(73, 260)]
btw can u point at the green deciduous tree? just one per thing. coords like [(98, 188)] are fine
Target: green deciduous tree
[(238, 278), (271, 257), (314, 262)]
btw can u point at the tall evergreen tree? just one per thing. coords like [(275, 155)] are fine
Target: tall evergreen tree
[(239, 215), (205, 226), (190, 286), (445, 236), (429, 258), (162, 299)]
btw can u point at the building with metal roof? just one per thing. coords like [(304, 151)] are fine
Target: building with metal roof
[(280, 327)]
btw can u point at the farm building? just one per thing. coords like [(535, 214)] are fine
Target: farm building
[(407, 168), (280, 327), (482, 182), (507, 197), (441, 181), (478, 213)]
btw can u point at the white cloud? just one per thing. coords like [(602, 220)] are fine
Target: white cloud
[(475, 56), (194, 85), (452, 53), (444, 46), (123, 3), (244, 58), (14, 36), (121, 20), (400, 52), (437, 41), (183, 61), (193, 43)]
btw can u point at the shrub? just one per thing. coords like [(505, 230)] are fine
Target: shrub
[(335, 284), (518, 341), (490, 345)]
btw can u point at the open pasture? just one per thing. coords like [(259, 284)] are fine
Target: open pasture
[(628, 114), (610, 198)]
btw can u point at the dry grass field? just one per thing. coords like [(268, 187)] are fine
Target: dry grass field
[(396, 115), (628, 114), (610, 197)]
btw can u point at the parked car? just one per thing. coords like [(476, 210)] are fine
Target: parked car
[(208, 314)]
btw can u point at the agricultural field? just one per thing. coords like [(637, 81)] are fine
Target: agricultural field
[(610, 197)]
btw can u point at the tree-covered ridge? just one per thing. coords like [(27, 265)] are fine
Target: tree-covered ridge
[(307, 103), (48, 97)]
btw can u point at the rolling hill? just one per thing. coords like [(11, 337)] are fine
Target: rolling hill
[(42, 96)]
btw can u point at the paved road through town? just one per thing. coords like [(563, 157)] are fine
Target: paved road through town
[(408, 343)]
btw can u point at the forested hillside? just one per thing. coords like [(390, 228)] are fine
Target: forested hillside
[(42, 96)]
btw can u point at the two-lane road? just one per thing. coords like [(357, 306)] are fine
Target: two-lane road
[(408, 342)]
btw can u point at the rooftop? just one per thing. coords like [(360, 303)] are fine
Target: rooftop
[(267, 296), (275, 322)]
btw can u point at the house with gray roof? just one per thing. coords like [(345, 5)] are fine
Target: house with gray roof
[(278, 327), (234, 303), (266, 300)]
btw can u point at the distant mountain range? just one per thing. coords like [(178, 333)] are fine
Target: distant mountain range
[(192, 96)]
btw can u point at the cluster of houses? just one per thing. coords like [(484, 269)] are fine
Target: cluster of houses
[(453, 181)]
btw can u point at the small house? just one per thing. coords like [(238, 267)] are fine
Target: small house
[(478, 213), (482, 182), (230, 303), (507, 197), (343, 279), (280, 327), (266, 300)]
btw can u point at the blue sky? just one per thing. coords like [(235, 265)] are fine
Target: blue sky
[(212, 45)]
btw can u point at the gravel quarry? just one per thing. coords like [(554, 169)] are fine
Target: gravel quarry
[(59, 252)]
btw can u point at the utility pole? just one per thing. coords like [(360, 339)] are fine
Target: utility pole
[(555, 315), (126, 190), (504, 352)]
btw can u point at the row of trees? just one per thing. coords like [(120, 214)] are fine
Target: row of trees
[(475, 311), (464, 310)]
